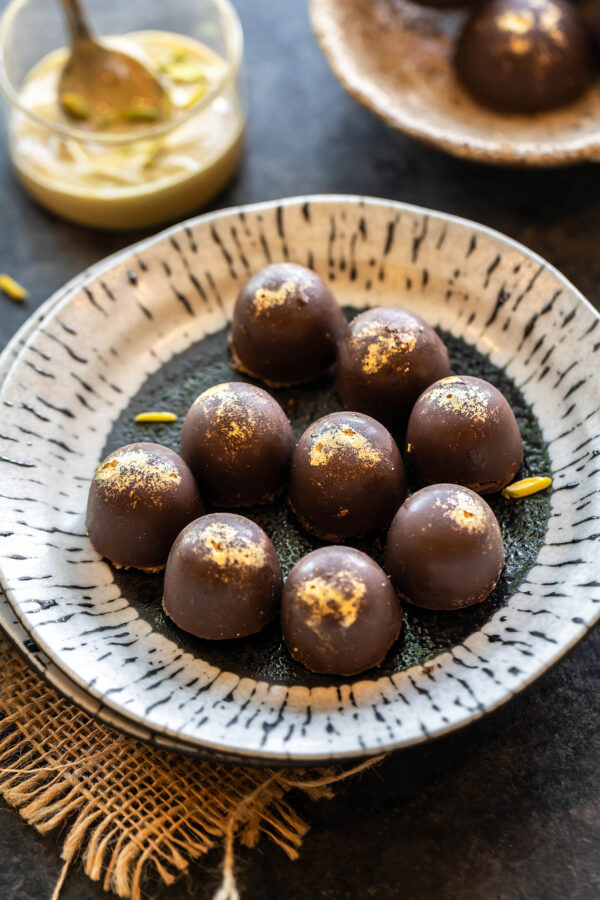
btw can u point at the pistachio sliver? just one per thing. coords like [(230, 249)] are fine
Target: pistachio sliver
[(184, 71), (196, 95), (12, 288), (156, 416), (526, 487), (141, 113), (75, 104), (153, 152)]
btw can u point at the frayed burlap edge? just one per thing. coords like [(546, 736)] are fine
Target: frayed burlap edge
[(130, 812)]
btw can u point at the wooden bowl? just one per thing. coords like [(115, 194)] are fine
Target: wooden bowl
[(396, 58)]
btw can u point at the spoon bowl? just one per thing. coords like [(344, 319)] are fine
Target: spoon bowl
[(104, 88)]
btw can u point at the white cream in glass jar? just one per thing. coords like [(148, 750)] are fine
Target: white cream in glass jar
[(131, 173)]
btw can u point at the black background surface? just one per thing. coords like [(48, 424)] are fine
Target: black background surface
[(510, 807)]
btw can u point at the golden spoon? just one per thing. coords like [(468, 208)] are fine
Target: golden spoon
[(102, 88)]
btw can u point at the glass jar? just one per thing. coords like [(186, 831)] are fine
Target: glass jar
[(152, 172)]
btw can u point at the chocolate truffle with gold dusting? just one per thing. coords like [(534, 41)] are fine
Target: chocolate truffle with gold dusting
[(444, 549), (386, 358), (525, 56), (238, 442), (223, 578), (141, 496), (286, 326), (347, 477), (462, 430), (340, 615)]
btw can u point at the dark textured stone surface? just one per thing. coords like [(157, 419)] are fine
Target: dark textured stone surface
[(509, 808)]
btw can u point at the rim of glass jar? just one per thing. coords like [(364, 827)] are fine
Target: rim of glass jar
[(234, 39)]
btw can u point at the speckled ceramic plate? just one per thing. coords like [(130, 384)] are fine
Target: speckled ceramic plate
[(395, 57), (9, 623), (148, 328)]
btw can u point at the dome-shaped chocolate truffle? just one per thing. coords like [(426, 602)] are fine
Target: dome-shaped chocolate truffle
[(525, 56), (340, 615), (444, 548), (238, 442), (286, 326), (347, 477), (386, 358), (462, 430), (141, 496), (223, 578)]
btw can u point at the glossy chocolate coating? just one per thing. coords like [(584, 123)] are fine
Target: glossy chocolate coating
[(386, 359), (463, 431), (238, 442), (525, 56), (340, 615), (141, 496), (347, 477), (444, 548), (223, 578), (286, 326), (590, 13)]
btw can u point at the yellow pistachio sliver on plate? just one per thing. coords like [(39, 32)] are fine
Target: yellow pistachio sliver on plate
[(526, 487), (156, 417), (12, 288)]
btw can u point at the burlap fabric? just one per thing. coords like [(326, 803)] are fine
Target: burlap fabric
[(127, 811)]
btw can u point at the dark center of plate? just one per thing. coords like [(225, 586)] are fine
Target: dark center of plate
[(424, 634)]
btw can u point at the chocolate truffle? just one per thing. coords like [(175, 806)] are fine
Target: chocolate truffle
[(444, 548), (462, 430), (286, 326), (223, 578), (141, 496), (347, 477), (238, 442), (525, 56), (386, 358), (340, 615)]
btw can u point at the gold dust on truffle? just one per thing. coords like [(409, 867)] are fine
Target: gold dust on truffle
[(226, 547), (470, 400), (385, 346), (336, 441), (123, 472), (265, 299), (465, 510), (237, 421), (339, 598), (514, 22), (550, 20)]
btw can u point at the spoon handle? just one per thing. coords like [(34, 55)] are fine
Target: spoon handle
[(76, 20)]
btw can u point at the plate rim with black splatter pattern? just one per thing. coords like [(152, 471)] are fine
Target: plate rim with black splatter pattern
[(10, 627), (192, 268)]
